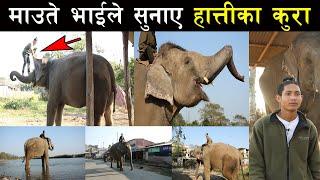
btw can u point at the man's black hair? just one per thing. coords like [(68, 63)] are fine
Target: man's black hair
[(286, 81)]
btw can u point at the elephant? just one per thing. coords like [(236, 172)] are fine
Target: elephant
[(37, 147), (301, 61), (219, 156), (117, 152), (174, 81), (65, 80)]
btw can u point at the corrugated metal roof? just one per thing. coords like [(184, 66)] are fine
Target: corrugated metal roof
[(264, 45)]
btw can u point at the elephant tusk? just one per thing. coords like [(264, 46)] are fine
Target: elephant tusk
[(206, 79)]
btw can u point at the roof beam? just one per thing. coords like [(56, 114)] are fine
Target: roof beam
[(274, 35)]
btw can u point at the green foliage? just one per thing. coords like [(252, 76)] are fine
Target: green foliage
[(178, 120), (178, 141), (7, 156), (212, 114), (195, 123), (25, 87), (19, 104), (119, 74), (240, 120), (43, 93)]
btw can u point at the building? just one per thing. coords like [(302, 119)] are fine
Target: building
[(160, 152), (137, 147)]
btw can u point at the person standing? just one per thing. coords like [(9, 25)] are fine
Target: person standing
[(28, 50), (284, 145)]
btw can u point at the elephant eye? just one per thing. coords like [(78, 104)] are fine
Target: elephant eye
[(187, 60)]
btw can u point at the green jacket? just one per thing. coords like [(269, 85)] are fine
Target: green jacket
[(271, 157)]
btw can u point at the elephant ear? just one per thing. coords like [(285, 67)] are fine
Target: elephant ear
[(290, 63), (40, 71), (159, 84)]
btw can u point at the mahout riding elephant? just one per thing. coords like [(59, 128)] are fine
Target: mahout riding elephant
[(175, 81), (65, 80), (302, 61), (117, 152), (218, 156), (37, 147)]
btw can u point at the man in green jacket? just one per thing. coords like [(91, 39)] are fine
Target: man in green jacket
[(284, 145)]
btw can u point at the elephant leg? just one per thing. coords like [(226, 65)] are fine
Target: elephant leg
[(43, 162), (121, 165), (98, 111), (230, 168), (197, 170), (108, 115), (59, 112), (111, 159), (46, 160), (118, 164), (207, 170), (51, 112), (27, 166)]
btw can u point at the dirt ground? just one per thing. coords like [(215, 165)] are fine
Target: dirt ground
[(189, 174), (120, 118)]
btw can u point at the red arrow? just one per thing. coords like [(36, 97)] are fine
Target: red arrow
[(60, 44)]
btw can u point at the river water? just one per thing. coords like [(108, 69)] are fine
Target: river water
[(60, 168)]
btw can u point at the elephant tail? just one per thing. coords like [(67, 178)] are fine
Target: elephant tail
[(241, 166)]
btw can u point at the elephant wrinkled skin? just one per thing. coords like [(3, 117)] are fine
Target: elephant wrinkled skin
[(302, 61), (37, 147), (65, 80), (117, 152), (218, 156), (175, 81)]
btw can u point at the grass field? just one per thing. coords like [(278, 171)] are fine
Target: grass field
[(30, 106)]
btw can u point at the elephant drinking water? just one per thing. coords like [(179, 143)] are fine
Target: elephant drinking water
[(65, 80)]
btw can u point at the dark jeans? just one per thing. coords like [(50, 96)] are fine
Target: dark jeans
[(26, 60), (147, 55)]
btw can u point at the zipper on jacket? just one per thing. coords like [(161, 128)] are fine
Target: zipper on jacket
[(287, 145)]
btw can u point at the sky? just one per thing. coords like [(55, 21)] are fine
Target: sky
[(13, 44), (235, 136), (104, 136), (228, 92), (66, 140)]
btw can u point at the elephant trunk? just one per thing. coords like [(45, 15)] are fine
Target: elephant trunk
[(214, 65), (25, 79)]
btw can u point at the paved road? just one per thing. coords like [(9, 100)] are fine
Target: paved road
[(96, 170)]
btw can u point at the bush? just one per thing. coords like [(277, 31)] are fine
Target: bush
[(18, 104)]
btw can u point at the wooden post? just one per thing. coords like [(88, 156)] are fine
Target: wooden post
[(89, 78), (125, 38)]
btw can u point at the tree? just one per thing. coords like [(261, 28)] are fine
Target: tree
[(178, 141), (195, 123), (119, 74), (240, 120), (178, 120), (212, 114)]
